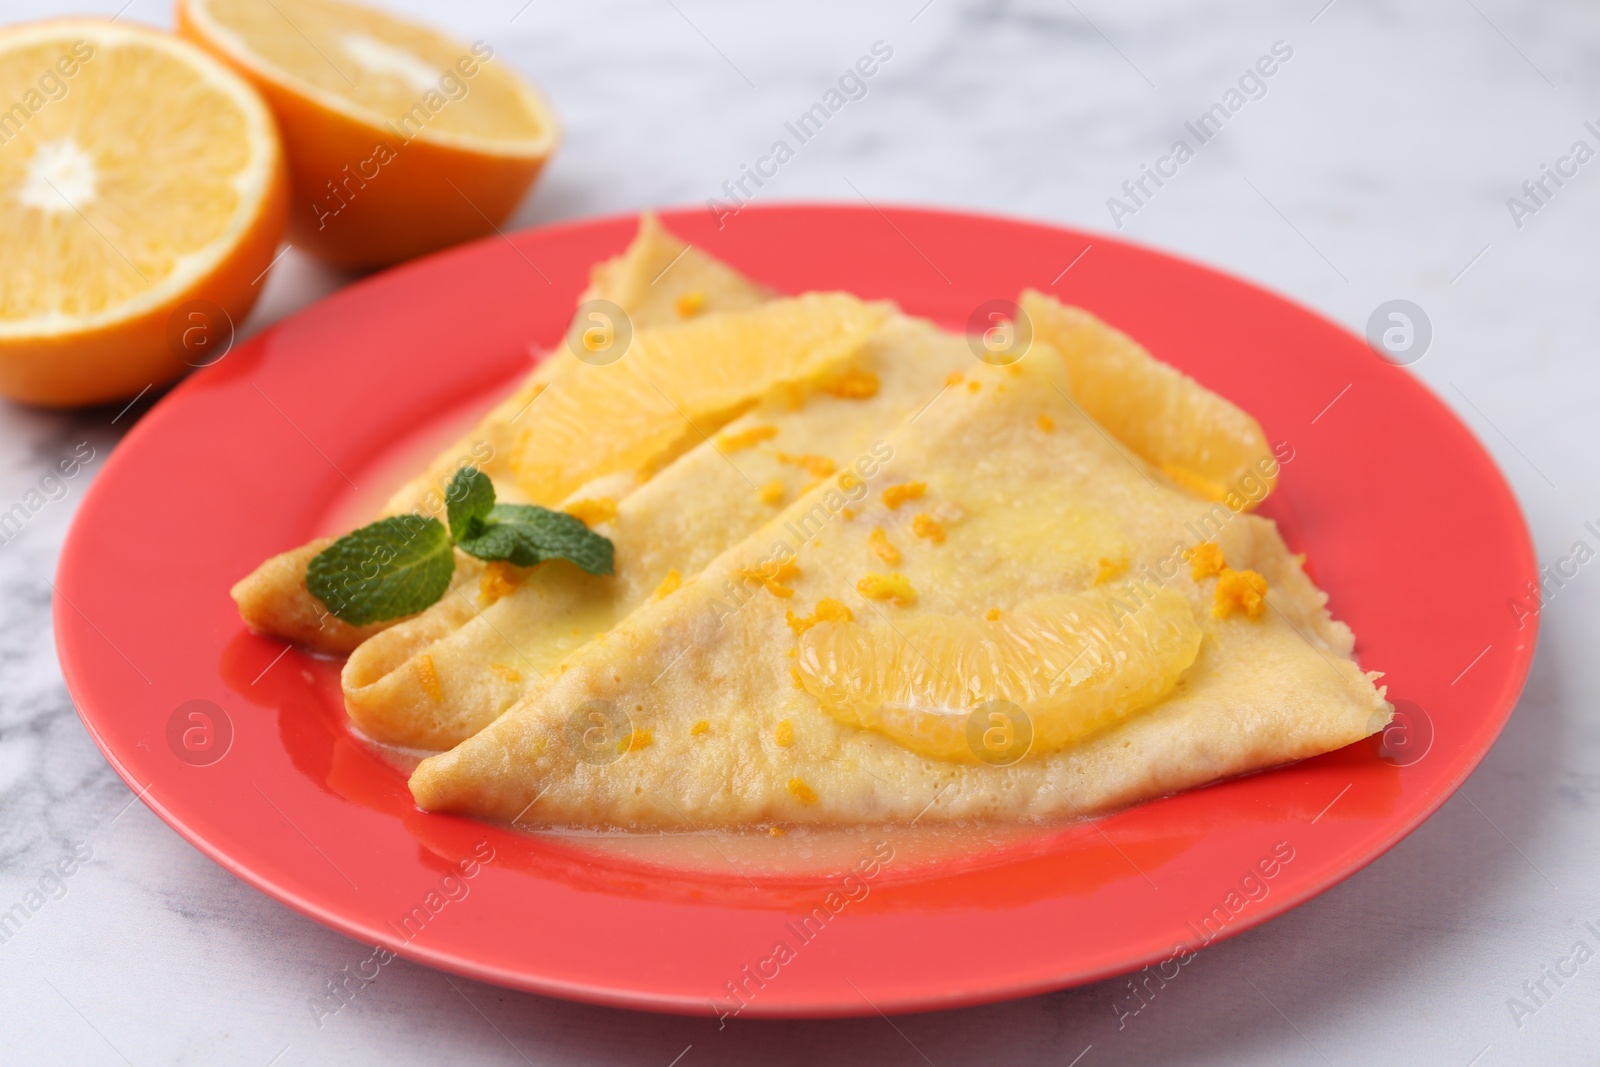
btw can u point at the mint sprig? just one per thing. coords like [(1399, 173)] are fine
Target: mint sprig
[(402, 564)]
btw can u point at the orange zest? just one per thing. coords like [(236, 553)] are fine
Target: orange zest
[(928, 528), (895, 495), (827, 610), (1205, 560), (772, 575), (1239, 592), (852, 384), (593, 512), (892, 587), (742, 439), (878, 541)]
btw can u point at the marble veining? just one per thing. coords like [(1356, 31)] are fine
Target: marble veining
[(1377, 165)]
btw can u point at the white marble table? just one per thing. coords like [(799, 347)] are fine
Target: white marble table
[(1377, 165)]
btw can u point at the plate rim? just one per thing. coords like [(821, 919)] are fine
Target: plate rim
[(63, 612)]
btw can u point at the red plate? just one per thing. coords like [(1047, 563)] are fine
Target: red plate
[(1407, 523)]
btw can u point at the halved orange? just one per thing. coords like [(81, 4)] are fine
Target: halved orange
[(142, 191), (400, 140)]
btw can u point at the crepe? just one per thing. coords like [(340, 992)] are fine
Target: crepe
[(1000, 499), (650, 282), (437, 679)]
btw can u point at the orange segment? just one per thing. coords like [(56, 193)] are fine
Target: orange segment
[(1201, 441), (401, 140), (676, 385), (1074, 663), (137, 174)]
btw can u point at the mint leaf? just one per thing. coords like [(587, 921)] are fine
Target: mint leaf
[(468, 499), (400, 565), (524, 534), (387, 570)]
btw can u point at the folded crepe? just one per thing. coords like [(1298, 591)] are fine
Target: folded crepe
[(439, 678), (435, 680), (658, 280), (1022, 618), (758, 658)]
